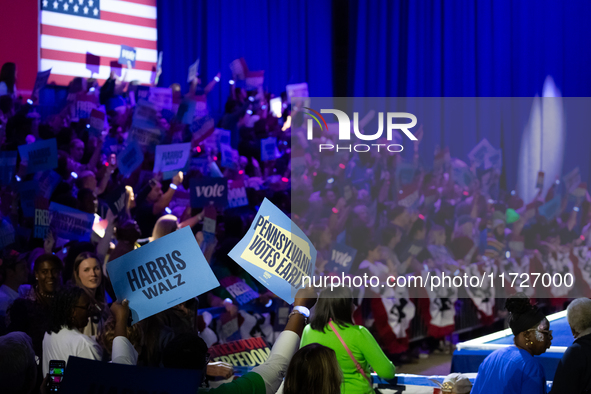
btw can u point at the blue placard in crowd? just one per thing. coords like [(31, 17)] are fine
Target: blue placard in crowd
[(27, 193), (206, 190), (161, 274), (47, 181), (7, 166), (130, 158), (89, 376), (126, 55), (268, 148), (340, 259), (40, 155), (276, 252), (70, 223), (171, 157), (116, 199)]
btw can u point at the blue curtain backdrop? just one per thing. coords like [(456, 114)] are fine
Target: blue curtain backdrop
[(467, 48), (290, 40)]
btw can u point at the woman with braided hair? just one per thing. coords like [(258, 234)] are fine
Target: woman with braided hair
[(514, 369)]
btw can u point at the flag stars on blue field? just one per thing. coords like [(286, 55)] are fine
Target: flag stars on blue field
[(87, 8)]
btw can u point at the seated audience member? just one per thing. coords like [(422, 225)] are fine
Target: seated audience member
[(15, 273), (88, 275), (514, 369), (18, 369), (573, 374), (313, 370), (332, 326), (31, 312), (263, 379)]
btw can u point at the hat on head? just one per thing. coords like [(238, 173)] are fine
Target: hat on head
[(511, 216)]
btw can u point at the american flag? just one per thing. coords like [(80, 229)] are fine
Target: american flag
[(83, 38)]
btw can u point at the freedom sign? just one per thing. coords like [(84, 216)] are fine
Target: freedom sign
[(171, 157), (40, 155), (70, 223), (242, 353), (276, 252), (161, 274), (206, 190)]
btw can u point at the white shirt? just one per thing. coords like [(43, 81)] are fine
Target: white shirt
[(68, 343), (7, 297)]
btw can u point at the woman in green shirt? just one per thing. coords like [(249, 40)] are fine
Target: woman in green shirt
[(336, 305)]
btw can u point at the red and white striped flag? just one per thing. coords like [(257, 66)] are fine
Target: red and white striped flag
[(83, 38)]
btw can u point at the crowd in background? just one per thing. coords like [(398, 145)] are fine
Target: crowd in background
[(400, 217)]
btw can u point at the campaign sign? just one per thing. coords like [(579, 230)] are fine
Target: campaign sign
[(186, 111), (70, 223), (239, 69), (96, 122), (130, 158), (7, 166), (85, 103), (479, 153), (161, 274), (145, 115), (171, 157), (297, 90), (27, 193), (116, 199), (205, 190), (40, 82), (90, 376), (193, 71), (127, 54), (276, 252), (47, 181), (341, 258), (40, 155), (237, 196), (147, 138), (42, 221), (161, 97), (242, 353), (239, 290), (254, 80), (268, 148)]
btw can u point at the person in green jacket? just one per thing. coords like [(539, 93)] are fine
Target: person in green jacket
[(336, 306)]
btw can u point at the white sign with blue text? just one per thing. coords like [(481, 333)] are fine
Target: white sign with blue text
[(161, 274)]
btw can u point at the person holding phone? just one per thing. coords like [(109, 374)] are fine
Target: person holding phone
[(64, 338)]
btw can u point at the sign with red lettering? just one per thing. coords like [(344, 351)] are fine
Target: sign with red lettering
[(242, 353)]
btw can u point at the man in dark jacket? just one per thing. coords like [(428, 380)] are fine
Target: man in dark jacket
[(573, 375)]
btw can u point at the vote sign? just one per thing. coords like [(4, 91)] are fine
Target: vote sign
[(206, 190), (340, 259)]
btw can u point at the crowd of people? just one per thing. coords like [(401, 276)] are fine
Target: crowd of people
[(400, 218)]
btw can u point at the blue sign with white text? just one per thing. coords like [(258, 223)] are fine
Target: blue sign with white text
[(130, 158), (126, 55), (40, 155), (340, 259), (70, 223), (7, 167), (161, 274)]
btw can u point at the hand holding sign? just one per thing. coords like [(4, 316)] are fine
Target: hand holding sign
[(161, 274), (276, 252)]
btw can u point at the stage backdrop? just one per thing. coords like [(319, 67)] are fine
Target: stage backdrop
[(465, 48), (290, 40)]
